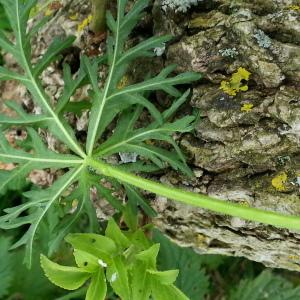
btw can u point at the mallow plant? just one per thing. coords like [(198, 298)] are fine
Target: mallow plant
[(122, 119)]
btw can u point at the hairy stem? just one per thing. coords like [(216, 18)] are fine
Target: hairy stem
[(199, 200)]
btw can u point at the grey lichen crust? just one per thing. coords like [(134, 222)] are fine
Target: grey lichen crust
[(246, 148)]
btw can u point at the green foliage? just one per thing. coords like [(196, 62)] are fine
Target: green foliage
[(4, 24), (6, 266), (124, 259), (265, 286), (126, 104), (192, 279), (16, 281)]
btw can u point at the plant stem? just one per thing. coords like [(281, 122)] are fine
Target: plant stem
[(199, 200), (98, 12)]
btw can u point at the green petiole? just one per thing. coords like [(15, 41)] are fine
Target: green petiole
[(99, 12), (199, 200)]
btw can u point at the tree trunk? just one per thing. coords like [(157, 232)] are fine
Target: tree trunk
[(246, 147)]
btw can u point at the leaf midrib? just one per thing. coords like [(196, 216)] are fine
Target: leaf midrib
[(49, 204), (132, 138), (140, 87), (28, 71), (44, 160), (107, 86)]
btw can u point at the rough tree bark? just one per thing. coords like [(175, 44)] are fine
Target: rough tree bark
[(250, 156)]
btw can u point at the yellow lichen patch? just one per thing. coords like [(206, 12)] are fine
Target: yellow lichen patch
[(74, 17), (235, 84), (244, 203), (123, 82), (247, 107), (35, 11), (294, 7), (48, 12), (201, 240), (279, 181), (84, 23), (294, 257)]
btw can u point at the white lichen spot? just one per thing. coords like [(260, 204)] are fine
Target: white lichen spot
[(178, 5), (128, 157), (293, 129), (114, 277), (102, 263), (262, 39), (237, 222), (159, 51), (229, 52)]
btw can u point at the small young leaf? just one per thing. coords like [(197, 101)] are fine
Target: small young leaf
[(166, 292), (86, 261), (69, 278), (141, 285), (165, 277), (94, 244), (149, 256), (114, 232), (117, 275), (97, 288), (192, 279)]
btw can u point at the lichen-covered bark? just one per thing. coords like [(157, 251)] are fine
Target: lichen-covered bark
[(246, 148)]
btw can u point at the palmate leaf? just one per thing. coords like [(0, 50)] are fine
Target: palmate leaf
[(16, 179), (128, 139), (82, 195), (37, 207), (23, 118), (41, 158), (135, 199), (107, 103), (55, 48), (18, 14), (38, 158)]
